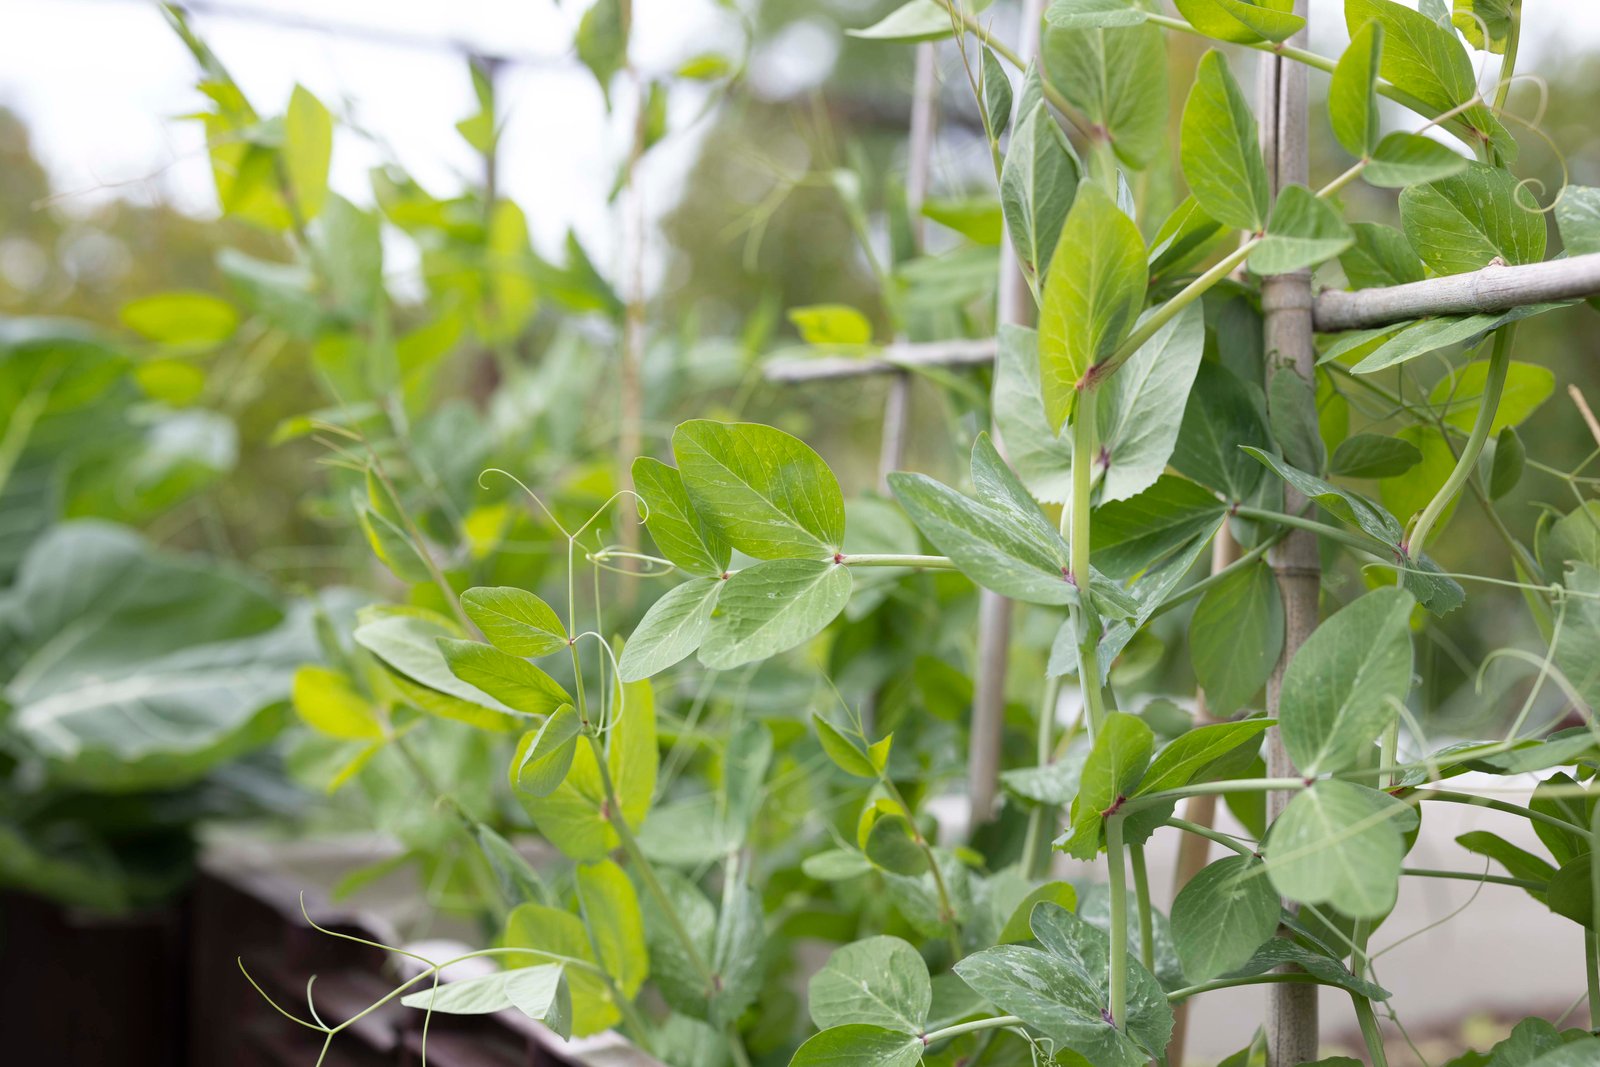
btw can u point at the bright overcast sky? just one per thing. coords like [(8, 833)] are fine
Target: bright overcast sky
[(101, 81)]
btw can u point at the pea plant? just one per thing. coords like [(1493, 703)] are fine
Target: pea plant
[(1184, 396)]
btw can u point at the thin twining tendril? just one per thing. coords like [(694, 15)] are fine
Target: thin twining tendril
[(616, 714)]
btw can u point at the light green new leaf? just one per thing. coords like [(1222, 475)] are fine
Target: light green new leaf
[(544, 757), (1091, 14), (1235, 636), (536, 991), (1117, 78), (512, 681), (917, 20), (550, 936), (1092, 297), (771, 608), (1220, 152), (1465, 222), (307, 149), (1578, 219), (181, 318), (763, 491), (844, 753), (514, 620), (610, 909), (1116, 762), (1403, 159), (859, 1045), (890, 846), (831, 325), (679, 531), (1037, 183), (1353, 96), (674, 627), (880, 981), (1242, 21), (994, 88), (1459, 397), (1222, 916), (1303, 232), (327, 702), (1062, 991), (1339, 843), (1018, 926), (408, 646), (602, 42), (1199, 755), (1347, 682)]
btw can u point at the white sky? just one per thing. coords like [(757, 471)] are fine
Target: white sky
[(102, 81)]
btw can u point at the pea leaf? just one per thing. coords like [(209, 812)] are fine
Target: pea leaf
[(1240, 21), (1465, 222), (550, 935), (307, 148), (1128, 537), (536, 993), (1116, 762), (1219, 151), (610, 909), (832, 325), (771, 608), (1038, 180), (1381, 255), (1196, 755), (890, 846), (1348, 506), (1303, 232), (545, 756), (1139, 409), (1346, 682), (678, 530), (1510, 456), (1578, 219), (327, 702), (1278, 951), (1235, 636), (1403, 159), (844, 753), (1373, 455), (1185, 238), (181, 318), (1062, 991), (514, 620), (1092, 297), (859, 1045), (880, 981), (514, 682), (673, 628), (1090, 14), (763, 491), (408, 646), (1118, 78), (1221, 418), (1459, 397), (1353, 96), (1222, 916), (1339, 843), (1518, 862), (1018, 927)]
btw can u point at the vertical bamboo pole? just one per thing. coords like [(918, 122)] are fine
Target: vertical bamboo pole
[(1286, 306), (630, 388), (1014, 304)]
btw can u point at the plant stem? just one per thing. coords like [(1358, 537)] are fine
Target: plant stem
[(1116, 884), (994, 1023), (1036, 859), (1168, 311), (1473, 876), (1238, 785), (927, 563), (1506, 806), (1083, 455), (1209, 834), (1369, 1030), (1216, 577), (1489, 405), (1271, 978), (647, 873), (971, 24), (1141, 896), (1360, 542), (946, 907)]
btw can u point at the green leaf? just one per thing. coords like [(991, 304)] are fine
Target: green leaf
[(1373, 455), (1343, 504), (1092, 297), (1427, 61), (1510, 456), (761, 490), (845, 754), (880, 981), (514, 620), (534, 991), (1241, 21), (1037, 184), (1339, 843), (1518, 862), (1116, 762), (1117, 78), (1577, 1054), (1403, 159), (1091, 14), (1474, 17), (673, 628), (610, 909), (1221, 418), (392, 547), (994, 88), (602, 42), (1459, 397), (514, 682), (327, 702), (1039, 455), (1578, 218), (771, 608), (1185, 238), (1347, 682), (1128, 537), (677, 528), (1235, 636), (1280, 950), (307, 149), (918, 20), (859, 1045), (408, 646), (1220, 154), (831, 325), (1139, 418), (1195, 756), (545, 756), (1465, 222), (181, 318), (550, 935), (1304, 232), (1426, 336), (1353, 96), (890, 846), (1018, 927), (1380, 256), (1062, 991), (1222, 916)]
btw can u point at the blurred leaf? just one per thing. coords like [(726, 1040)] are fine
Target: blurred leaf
[(181, 318)]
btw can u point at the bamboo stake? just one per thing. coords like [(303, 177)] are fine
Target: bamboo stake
[(1286, 306), (1494, 288)]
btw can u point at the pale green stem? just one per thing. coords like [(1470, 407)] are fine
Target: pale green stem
[(1293, 978), (1168, 311), (1358, 541), (1083, 456), (1035, 845), (1506, 806), (995, 1023), (1211, 835), (1493, 386), (1473, 876), (946, 907), (1116, 885), (927, 563), (1591, 944), (1141, 896), (1369, 1030)]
